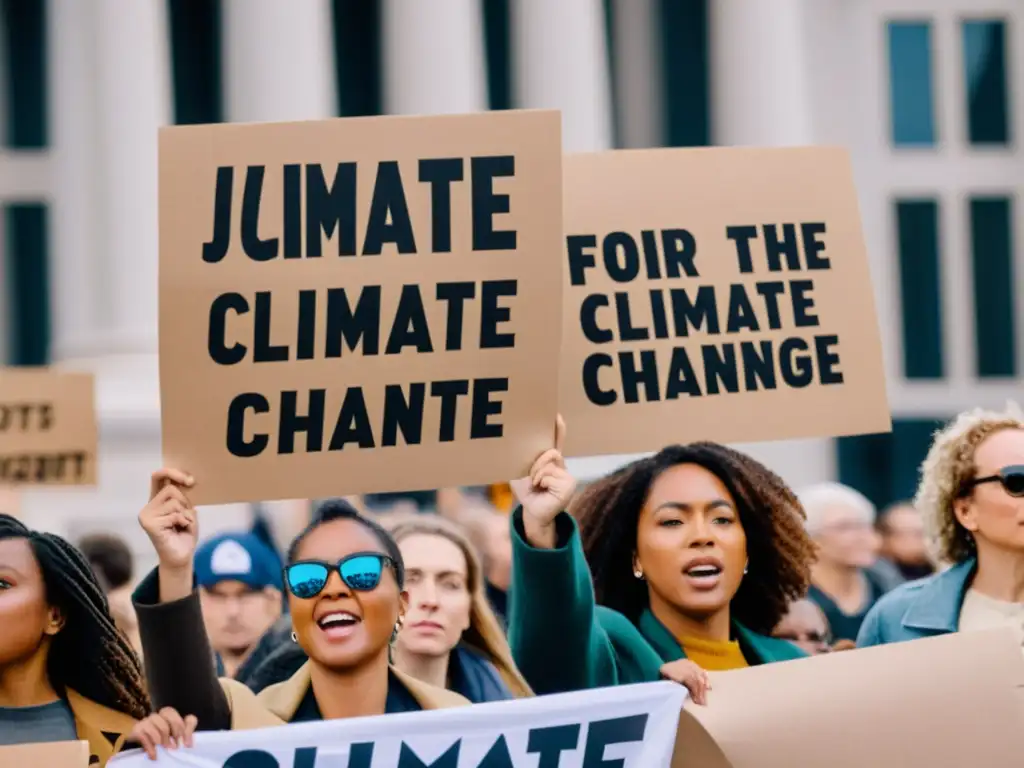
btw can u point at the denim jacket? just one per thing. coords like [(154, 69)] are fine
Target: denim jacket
[(922, 608)]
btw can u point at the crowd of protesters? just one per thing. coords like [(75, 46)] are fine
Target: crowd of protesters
[(696, 559)]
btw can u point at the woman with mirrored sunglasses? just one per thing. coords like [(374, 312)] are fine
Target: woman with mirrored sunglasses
[(971, 497), (344, 577)]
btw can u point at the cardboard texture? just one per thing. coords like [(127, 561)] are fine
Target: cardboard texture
[(943, 702), (630, 208), (48, 431), (241, 320), (57, 754)]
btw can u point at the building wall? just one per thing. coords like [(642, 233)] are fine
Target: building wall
[(84, 86)]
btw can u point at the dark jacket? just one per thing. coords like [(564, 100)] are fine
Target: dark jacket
[(181, 673), (923, 608), (469, 674), (562, 641)]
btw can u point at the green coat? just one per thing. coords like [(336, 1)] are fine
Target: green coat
[(562, 641)]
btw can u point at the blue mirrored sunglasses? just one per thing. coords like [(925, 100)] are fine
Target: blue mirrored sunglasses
[(360, 572)]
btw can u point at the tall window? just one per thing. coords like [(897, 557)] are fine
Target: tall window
[(917, 239), (911, 99), (985, 76), (994, 280)]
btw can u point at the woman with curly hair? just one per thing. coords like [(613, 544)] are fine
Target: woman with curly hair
[(66, 671), (971, 498), (694, 555)]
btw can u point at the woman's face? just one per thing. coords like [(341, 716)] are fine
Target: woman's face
[(805, 626), (995, 518), (25, 615), (690, 543), (436, 577), (375, 611)]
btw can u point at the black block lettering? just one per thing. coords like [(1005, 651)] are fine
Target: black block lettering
[(549, 743), (603, 733), (449, 393), (632, 377), (292, 219), (236, 443), (291, 422), (330, 208), (758, 367), (216, 343), (497, 756), (410, 327), (588, 319), (487, 203), (409, 759), (352, 326), (702, 311), (827, 360), (592, 386), (484, 407), (626, 268), (771, 291), (455, 294), (742, 236), (305, 341), (255, 248), (581, 257), (775, 248), (682, 379), (251, 758), (217, 247), (388, 220), (401, 413), (797, 369), (262, 350), (720, 366), (627, 331), (813, 245), (353, 424), (491, 314), (680, 252), (803, 303), (440, 173), (650, 246), (741, 311)]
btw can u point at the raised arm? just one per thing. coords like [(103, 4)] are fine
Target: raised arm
[(179, 662), (556, 639)]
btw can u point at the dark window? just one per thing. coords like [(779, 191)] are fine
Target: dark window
[(917, 239), (27, 284), (196, 60), (684, 46), (357, 57), (992, 256), (911, 96), (23, 25), (988, 113), (886, 467)]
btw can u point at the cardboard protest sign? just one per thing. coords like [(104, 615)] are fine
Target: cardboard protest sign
[(943, 702), (716, 294), (48, 432), (55, 754), (369, 304), (631, 726)]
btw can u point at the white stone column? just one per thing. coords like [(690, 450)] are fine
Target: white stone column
[(279, 60), (434, 57), (561, 62), (639, 73), (759, 73)]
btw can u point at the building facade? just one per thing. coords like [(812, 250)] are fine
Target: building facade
[(927, 95)]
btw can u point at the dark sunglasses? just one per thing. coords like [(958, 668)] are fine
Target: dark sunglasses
[(1011, 478), (360, 571)]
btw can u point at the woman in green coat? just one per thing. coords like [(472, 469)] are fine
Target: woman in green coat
[(694, 556)]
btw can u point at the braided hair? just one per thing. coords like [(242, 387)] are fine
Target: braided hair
[(778, 548), (89, 654)]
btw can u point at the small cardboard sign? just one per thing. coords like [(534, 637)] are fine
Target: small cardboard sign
[(718, 294), (48, 431), (942, 702), (368, 304), (54, 754)]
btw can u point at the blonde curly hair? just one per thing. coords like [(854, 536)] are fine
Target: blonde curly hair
[(947, 468)]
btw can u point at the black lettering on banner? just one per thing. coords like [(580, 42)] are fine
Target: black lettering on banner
[(237, 444), (409, 759), (707, 311), (604, 733), (440, 173), (251, 758), (389, 220), (331, 207), (487, 203), (497, 756), (549, 743)]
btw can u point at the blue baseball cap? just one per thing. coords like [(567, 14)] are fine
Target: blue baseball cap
[(237, 557)]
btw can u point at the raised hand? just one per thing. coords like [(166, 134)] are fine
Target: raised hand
[(166, 729), (545, 493), (169, 519)]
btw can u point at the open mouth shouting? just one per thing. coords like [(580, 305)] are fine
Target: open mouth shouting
[(338, 625), (704, 573)]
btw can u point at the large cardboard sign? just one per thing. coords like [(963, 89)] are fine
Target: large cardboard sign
[(943, 702), (56, 754), (369, 304), (716, 294), (48, 432)]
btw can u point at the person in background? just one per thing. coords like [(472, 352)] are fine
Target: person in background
[(450, 637), (345, 582), (66, 672), (694, 555), (841, 520), (971, 498), (904, 543), (239, 580), (805, 626), (489, 531), (112, 561)]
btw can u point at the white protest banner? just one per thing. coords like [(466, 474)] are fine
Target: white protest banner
[(629, 726)]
